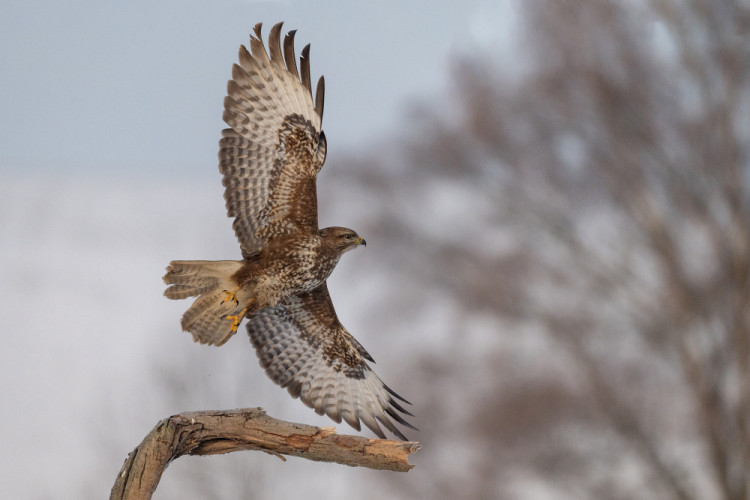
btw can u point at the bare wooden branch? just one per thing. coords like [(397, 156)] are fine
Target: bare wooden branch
[(215, 432)]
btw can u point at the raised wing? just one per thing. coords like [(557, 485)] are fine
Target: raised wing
[(303, 347), (272, 152)]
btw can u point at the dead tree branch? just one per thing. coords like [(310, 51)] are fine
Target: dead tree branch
[(215, 432)]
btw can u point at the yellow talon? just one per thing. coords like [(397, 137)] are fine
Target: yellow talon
[(231, 296), (236, 320)]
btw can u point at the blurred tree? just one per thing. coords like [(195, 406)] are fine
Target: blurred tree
[(592, 197), (565, 247)]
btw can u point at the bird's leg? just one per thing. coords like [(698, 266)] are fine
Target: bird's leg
[(236, 320), (231, 296)]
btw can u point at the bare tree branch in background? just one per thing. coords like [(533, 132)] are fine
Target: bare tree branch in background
[(603, 201)]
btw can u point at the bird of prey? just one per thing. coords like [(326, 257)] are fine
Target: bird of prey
[(270, 157)]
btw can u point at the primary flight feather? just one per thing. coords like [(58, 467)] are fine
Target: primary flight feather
[(270, 157)]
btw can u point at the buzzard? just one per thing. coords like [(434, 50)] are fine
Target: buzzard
[(270, 157)]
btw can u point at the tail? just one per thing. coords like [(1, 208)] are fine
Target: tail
[(216, 313)]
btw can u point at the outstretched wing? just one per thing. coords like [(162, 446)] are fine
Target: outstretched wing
[(303, 347), (272, 152)]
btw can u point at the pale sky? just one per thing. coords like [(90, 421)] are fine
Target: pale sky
[(100, 85)]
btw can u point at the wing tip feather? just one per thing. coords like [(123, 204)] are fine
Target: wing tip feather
[(394, 394), (289, 57), (320, 91), (257, 29), (304, 60), (389, 425), (282, 56), (274, 44)]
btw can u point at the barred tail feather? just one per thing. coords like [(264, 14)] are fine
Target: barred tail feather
[(209, 319), (188, 278)]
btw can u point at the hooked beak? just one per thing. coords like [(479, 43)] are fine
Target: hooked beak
[(361, 241)]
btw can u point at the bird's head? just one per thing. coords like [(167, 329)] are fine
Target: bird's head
[(342, 239)]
